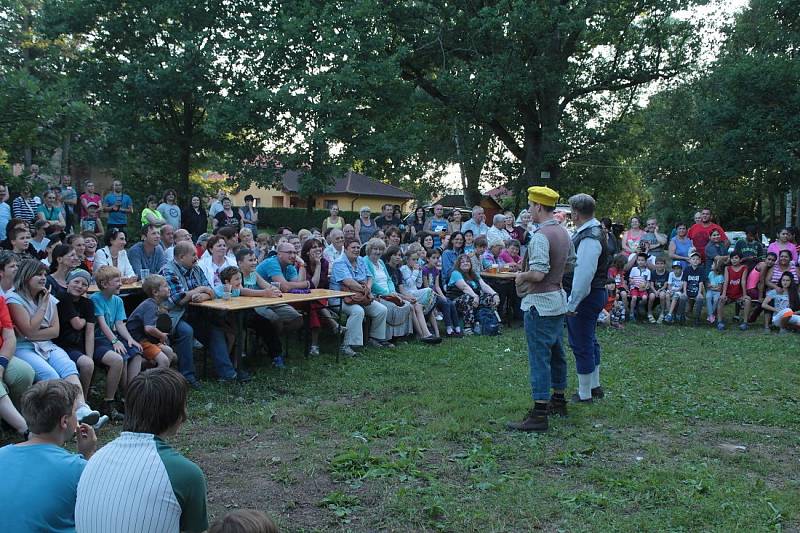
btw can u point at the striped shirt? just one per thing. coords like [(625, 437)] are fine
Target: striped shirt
[(552, 303), (137, 483)]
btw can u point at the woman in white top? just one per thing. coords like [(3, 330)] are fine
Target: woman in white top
[(114, 254), (215, 260)]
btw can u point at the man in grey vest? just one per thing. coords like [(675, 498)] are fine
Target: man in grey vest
[(587, 295), (544, 303)]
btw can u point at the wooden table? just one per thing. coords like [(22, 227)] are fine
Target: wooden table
[(126, 287), (499, 281), (499, 275), (243, 303)]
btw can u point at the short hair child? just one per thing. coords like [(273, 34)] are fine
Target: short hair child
[(111, 332), (230, 275), (143, 323)]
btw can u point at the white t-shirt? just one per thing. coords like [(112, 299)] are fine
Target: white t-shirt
[(639, 277)]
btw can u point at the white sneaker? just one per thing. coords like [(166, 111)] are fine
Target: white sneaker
[(86, 415), (100, 423), (313, 350), (347, 351)]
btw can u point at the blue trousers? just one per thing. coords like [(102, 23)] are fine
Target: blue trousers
[(548, 365), (581, 331), (212, 337)]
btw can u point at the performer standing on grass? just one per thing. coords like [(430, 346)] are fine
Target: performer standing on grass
[(586, 286), (544, 303)]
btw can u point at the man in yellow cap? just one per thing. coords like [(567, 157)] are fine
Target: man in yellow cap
[(544, 303)]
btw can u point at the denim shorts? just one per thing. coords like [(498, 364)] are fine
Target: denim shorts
[(102, 346)]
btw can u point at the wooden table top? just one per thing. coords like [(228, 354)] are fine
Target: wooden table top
[(499, 275), (127, 287), (239, 303)]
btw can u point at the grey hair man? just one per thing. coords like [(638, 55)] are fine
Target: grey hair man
[(587, 295), (476, 223), (498, 230)]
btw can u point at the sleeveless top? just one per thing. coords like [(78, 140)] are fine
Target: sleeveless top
[(365, 232), (735, 282), (682, 247), (338, 225)]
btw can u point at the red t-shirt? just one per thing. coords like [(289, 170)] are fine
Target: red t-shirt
[(735, 289), (90, 198), (701, 235), (5, 318)]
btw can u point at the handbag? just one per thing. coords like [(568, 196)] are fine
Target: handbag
[(359, 298), (396, 300)]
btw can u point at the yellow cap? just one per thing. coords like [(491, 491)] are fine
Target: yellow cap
[(542, 195)]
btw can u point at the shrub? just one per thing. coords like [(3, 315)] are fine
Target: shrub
[(298, 218)]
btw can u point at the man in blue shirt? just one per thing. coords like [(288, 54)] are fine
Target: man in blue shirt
[(476, 223), (40, 477), (281, 269), (118, 206), (147, 253)]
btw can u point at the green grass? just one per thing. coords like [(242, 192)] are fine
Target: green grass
[(413, 439)]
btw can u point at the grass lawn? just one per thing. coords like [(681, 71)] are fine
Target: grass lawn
[(698, 431)]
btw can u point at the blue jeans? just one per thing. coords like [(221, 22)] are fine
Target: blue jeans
[(548, 365), (448, 310), (213, 338), (712, 299), (183, 342), (581, 331)]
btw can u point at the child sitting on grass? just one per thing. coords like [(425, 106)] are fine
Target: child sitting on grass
[(733, 290), (675, 290), (431, 279), (694, 289), (639, 278), (142, 323), (714, 283), (617, 273), (613, 313), (111, 334), (659, 285), (782, 302)]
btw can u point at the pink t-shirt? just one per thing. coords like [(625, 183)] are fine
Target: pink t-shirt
[(90, 198), (752, 279)]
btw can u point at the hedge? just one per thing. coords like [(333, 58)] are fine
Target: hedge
[(298, 218)]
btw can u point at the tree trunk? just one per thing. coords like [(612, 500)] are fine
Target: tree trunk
[(65, 154), (472, 150), (185, 145)]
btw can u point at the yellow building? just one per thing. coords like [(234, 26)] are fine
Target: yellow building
[(350, 193)]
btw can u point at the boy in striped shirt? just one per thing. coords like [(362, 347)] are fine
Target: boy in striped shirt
[(139, 483)]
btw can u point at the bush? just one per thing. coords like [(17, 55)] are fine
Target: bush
[(298, 218)]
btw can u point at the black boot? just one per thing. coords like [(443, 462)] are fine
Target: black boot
[(557, 405), (597, 393), (535, 420)]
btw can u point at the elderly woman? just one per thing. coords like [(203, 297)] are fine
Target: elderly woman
[(351, 273), (365, 227), (399, 322)]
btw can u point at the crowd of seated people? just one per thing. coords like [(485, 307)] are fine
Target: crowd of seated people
[(65, 258)]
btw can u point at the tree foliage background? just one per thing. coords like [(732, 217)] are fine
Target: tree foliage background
[(161, 91)]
